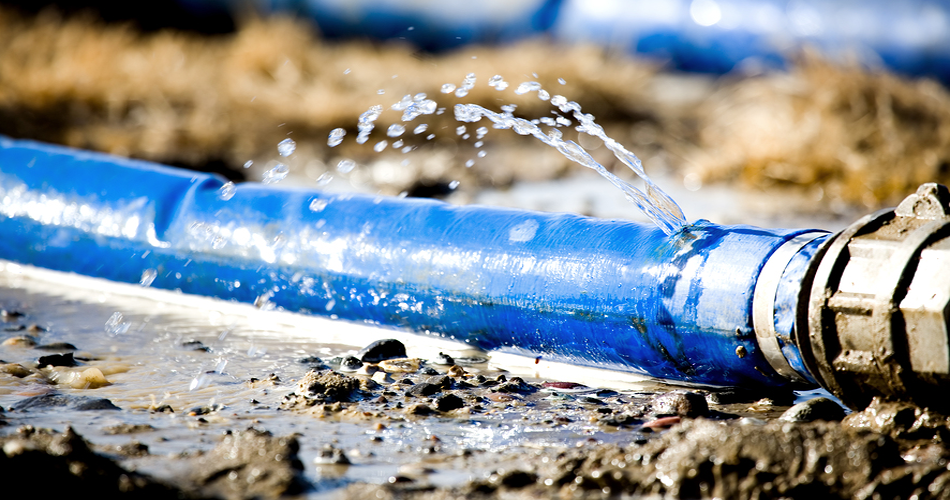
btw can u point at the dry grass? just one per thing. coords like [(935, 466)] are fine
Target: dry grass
[(847, 135)]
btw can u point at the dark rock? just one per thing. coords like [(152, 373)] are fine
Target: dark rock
[(56, 346), (7, 314), (680, 403), (195, 345), (313, 362), (82, 403), (814, 409), (442, 381), (423, 389), (14, 328), (518, 479), (563, 385), (428, 370), (381, 350), (449, 402), (420, 409), (443, 359), (56, 360), (350, 364)]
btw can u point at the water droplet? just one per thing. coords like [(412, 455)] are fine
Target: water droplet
[(276, 174), (395, 130), (366, 123), (227, 191), (380, 146), (336, 137), (420, 128), (421, 96), (115, 326), (479, 144), (148, 277), (466, 136), (543, 95), (324, 178), (559, 101), (524, 231), (218, 242), (526, 87), (509, 108), (547, 120), (460, 130), (481, 154), (563, 121), (397, 144), (381, 91), (346, 71), (286, 147), (318, 204), (561, 81), (469, 163), (407, 149), (448, 88), (346, 166), (467, 84), (440, 111), (430, 137), (480, 132), (248, 163), (453, 184)]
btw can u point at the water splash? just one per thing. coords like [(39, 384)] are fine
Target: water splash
[(286, 147), (654, 203), (336, 137)]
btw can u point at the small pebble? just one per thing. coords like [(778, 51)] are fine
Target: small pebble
[(400, 365), (19, 342), (56, 360), (449, 402), (812, 410), (350, 364), (57, 346), (681, 403), (382, 350), (443, 359), (423, 389)]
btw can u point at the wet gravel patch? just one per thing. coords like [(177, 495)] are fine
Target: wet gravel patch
[(387, 422)]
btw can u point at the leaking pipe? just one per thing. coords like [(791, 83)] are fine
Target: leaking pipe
[(713, 305)]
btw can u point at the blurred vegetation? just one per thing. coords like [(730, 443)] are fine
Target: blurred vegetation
[(215, 101)]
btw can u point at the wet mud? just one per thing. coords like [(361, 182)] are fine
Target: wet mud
[(590, 442)]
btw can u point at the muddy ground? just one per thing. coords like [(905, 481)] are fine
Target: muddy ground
[(80, 413)]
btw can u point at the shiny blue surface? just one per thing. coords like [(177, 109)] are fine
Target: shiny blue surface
[(606, 293)]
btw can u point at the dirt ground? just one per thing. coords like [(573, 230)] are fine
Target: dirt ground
[(845, 136)]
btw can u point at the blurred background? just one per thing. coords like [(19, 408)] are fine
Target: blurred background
[(774, 112)]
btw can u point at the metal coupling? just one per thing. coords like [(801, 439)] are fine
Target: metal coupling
[(872, 315)]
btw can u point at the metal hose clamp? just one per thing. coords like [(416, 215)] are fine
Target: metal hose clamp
[(763, 303)]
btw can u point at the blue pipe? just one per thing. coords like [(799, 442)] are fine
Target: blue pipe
[(605, 293)]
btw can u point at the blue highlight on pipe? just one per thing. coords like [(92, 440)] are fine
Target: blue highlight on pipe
[(605, 293)]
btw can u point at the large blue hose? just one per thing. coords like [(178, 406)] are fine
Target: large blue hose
[(605, 293)]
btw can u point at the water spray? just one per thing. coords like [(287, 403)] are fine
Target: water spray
[(862, 312)]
